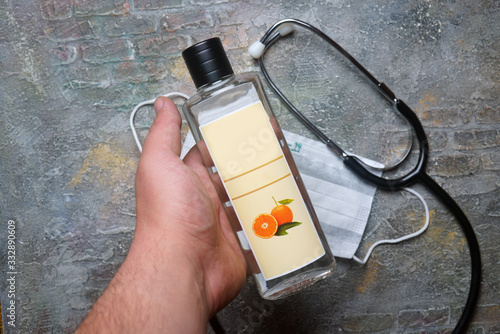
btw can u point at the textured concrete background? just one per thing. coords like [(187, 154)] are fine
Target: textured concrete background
[(71, 71)]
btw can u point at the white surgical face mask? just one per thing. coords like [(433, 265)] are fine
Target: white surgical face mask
[(342, 200)]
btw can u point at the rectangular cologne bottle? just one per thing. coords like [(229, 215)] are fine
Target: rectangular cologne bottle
[(264, 197)]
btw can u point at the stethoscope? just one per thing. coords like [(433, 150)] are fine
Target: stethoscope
[(417, 174)]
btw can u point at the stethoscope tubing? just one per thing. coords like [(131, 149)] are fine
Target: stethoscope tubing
[(474, 250), (416, 175)]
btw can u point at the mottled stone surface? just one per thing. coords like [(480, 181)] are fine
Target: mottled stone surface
[(71, 71)]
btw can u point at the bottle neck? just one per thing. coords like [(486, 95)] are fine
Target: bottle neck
[(216, 84)]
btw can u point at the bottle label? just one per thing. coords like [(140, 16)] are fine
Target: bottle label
[(263, 191)]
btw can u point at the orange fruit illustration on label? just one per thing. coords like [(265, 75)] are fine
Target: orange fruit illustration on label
[(265, 226), (282, 213), (277, 223)]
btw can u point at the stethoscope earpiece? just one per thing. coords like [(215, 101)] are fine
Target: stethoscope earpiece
[(285, 29), (257, 49)]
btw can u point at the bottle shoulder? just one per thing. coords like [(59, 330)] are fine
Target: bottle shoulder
[(222, 98), (240, 82)]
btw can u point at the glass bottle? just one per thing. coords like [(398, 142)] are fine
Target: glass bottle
[(258, 183)]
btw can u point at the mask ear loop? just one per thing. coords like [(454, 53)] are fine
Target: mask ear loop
[(145, 103), (371, 164), (406, 237)]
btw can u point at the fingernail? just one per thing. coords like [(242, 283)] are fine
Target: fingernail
[(158, 104)]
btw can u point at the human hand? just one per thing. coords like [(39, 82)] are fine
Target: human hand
[(184, 263), (177, 203)]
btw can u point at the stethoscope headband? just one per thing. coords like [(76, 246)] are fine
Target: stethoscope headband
[(285, 27)]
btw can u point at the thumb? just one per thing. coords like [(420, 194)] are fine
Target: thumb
[(165, 133)]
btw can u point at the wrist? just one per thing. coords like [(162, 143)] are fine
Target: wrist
[(158, 289), (167, 279)]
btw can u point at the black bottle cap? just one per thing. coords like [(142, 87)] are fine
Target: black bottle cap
[(207, 62)]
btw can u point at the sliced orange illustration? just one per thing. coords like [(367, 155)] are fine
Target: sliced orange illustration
[(283, 214), (265, 226)]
